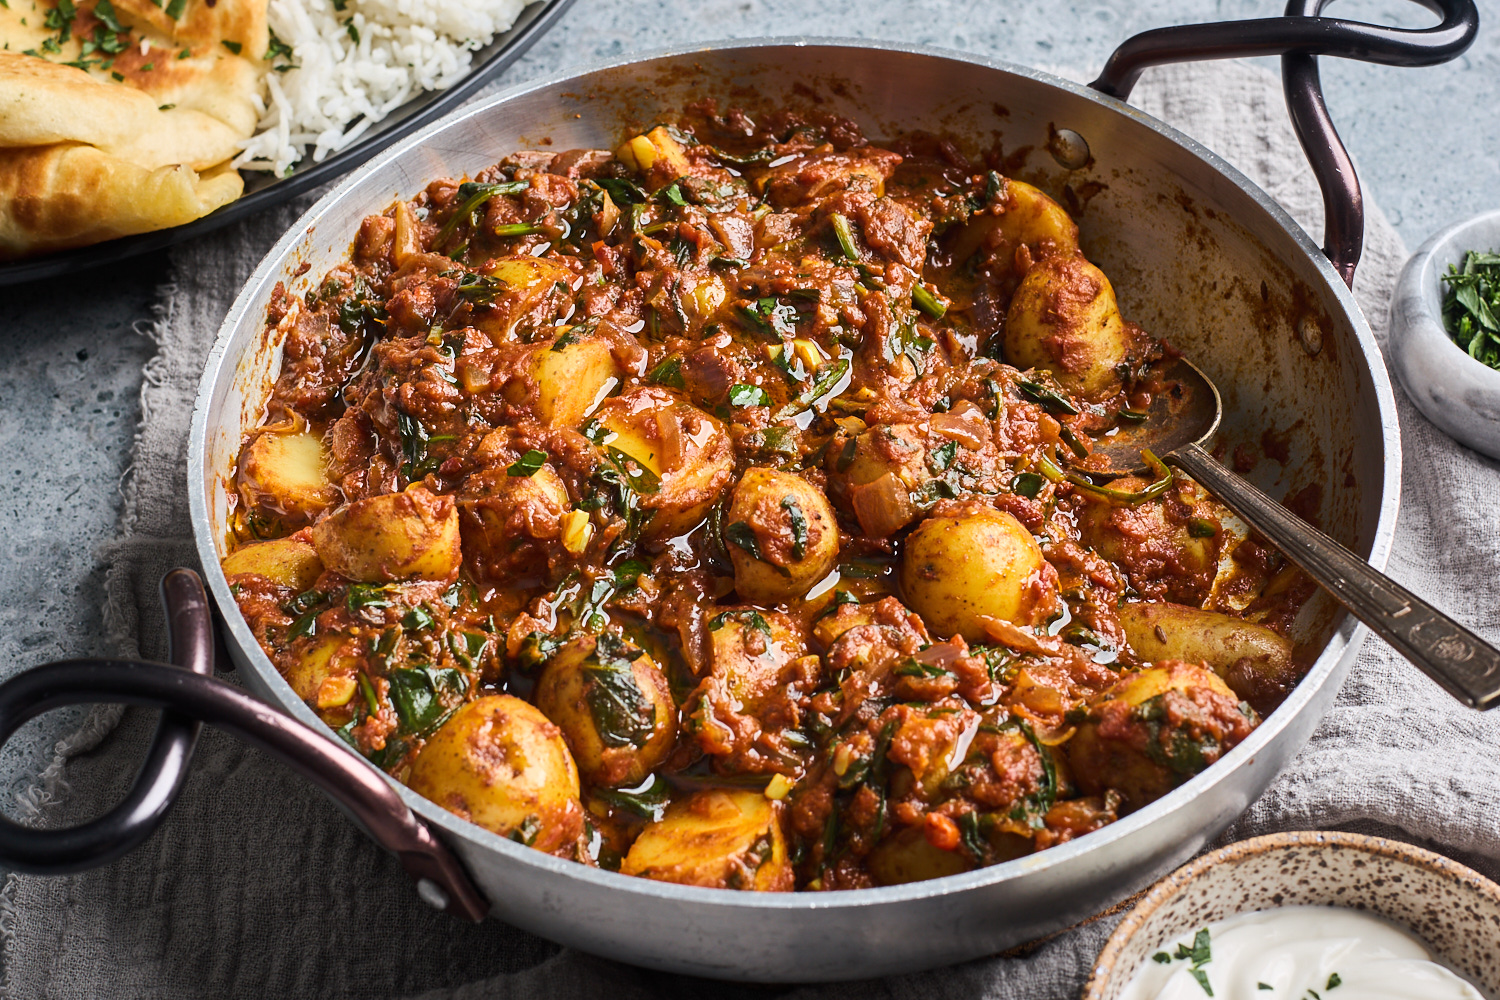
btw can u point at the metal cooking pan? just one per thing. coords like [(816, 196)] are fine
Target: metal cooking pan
[(1199, 256)]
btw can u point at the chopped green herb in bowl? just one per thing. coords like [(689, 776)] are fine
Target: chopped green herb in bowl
[(1471, 305)]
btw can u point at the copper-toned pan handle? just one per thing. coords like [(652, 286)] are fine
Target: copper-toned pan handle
[(1299, 38), (192, 694)]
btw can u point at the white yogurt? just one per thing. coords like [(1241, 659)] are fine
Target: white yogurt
[(1299, 953)]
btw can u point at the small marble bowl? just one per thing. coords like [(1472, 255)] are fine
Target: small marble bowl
[(1453, 910), (1453, 390)]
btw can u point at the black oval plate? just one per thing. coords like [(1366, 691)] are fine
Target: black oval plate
[(263, 191)]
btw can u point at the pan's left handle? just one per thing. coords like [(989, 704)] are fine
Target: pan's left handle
[(189, 697), (190, 646), (1299, 38)]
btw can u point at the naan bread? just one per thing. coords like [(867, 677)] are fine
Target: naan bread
[(71, 195), (144, 124)]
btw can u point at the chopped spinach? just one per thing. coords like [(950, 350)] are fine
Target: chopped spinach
[(647, 800), (741, 534), (622, 714), (799, 525), (528, 464), (668, 373), (424, 697), (741, 394)]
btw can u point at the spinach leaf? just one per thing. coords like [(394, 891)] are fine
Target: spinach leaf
[(622, 714), (799, 525), (647, 800), (366, 595), (668, 373), (741, 394), (622, 191), (741, 534), (424, 697), (528, 464)]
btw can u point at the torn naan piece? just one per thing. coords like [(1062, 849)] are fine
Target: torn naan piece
[(70, 195), (136, 106)]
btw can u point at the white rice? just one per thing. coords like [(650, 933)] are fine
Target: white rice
[(339, 87)]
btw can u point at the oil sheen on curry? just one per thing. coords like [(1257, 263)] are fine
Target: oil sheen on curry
[(721, 510)]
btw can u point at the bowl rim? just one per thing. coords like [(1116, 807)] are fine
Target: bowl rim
[(1106, 965), (1334, 658), (1420, 285)]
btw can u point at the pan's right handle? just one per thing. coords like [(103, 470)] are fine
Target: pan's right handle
[(1299, 38)]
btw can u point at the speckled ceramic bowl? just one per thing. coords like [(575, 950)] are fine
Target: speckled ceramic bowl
[(1454, 910), (1459, 394)]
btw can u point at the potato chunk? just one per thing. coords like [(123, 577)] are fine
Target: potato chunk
[(396, 536), (335, 657), (526, 286), (502, 764), (613, 705), (1162, 545), (283, 480), (286, 562), (572, 380), (956, 571), (781, 534), (657, 156), (758, 675), (718, 839), (503, 518), (1254, 661), (685, 453), (907, 856), (1155, 729), (1064, 318)]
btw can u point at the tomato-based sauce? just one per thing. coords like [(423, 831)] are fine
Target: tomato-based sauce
[(723, 509)]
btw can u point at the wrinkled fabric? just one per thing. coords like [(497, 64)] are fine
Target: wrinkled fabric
[(256, 886)]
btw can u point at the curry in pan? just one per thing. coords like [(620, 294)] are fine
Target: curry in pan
[(723, 510)]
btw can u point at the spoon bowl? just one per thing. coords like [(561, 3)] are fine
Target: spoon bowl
[(1185, 409)]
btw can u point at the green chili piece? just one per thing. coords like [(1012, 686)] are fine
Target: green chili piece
[(475, 195), (845, 234), (927, 302), (1156, 489), (517, 229)]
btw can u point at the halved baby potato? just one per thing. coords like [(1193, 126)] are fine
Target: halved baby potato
[(572, 380), (908, 856), (957, 571), (1139, 745), (782, 536), (719, 839), (1253, 660), (396, 536), (685, 451), (614, 707), (287, 562), (501, 763), (1064, 318), (502, 517), (283, 479)]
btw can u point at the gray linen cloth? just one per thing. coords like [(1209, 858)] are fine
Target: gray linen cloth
[(257, 887)]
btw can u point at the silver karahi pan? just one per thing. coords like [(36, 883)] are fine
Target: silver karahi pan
[(1199, 256)]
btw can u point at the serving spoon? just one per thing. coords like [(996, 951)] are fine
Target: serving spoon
[(1175, 428)]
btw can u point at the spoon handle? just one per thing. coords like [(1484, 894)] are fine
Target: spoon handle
[(1461, 662)]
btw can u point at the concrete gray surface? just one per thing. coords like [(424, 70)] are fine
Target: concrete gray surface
[(1426, 140), (70, 381)]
